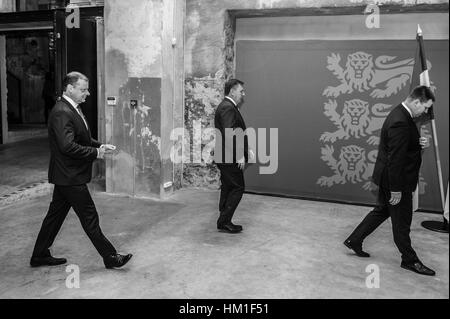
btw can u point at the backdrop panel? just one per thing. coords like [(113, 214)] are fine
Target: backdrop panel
[(328, 100)]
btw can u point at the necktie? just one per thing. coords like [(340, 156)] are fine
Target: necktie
[(82, 116)]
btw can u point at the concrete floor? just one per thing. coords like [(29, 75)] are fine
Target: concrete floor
[(288, 249), (22, 132), (23, 164)]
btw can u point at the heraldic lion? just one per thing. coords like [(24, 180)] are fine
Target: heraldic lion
[(363, 73), (352, 165), (354, 121), (357, 75)]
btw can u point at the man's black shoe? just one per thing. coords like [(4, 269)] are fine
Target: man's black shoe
[(419, 268), (357, 248), (116, 260), (46, 261), (230, 228), (236, 226)]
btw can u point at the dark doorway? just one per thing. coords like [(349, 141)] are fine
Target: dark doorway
[(30, 87)]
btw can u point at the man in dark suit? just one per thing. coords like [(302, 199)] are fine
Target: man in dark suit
[(231, 153), (72, 152), (396, 173)]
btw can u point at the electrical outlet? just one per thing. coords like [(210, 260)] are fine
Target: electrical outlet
[(111, 101)]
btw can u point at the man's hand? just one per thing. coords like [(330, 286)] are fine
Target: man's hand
[(241, 163), (108, 148), (424, 142), (395, 198), (251, 156)]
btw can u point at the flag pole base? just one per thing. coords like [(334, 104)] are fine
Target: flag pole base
[(441, 227)]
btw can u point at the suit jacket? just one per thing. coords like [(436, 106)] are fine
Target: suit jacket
[(399, 153), (72, 149), (229, 148)]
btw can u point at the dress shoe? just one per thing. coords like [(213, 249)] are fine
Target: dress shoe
[(236, 226), (357, 248), (116, 260), (230, 228), (419, 268), (46, 261)]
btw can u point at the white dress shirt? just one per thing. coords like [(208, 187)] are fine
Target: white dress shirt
[(232, 101), (409, 111), (75, 106)]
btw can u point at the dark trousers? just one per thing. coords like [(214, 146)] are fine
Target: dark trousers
[(231, 191), (79, 198), (401, 218)]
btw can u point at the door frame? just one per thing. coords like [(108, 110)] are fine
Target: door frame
[(101, 121), (3, 92), (51, 20)]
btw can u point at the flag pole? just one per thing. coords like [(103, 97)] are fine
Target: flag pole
[(425, 80)]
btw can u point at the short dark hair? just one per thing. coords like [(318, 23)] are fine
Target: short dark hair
[(230, 84), (422, 93), (72, 78)]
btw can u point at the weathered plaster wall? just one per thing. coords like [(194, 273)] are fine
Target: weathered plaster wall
[(209, 59), (144, 62), (133, 71), (178, 84), (7, 5), (172, 91)]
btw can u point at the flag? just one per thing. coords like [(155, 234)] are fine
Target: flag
[(420, 76)]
